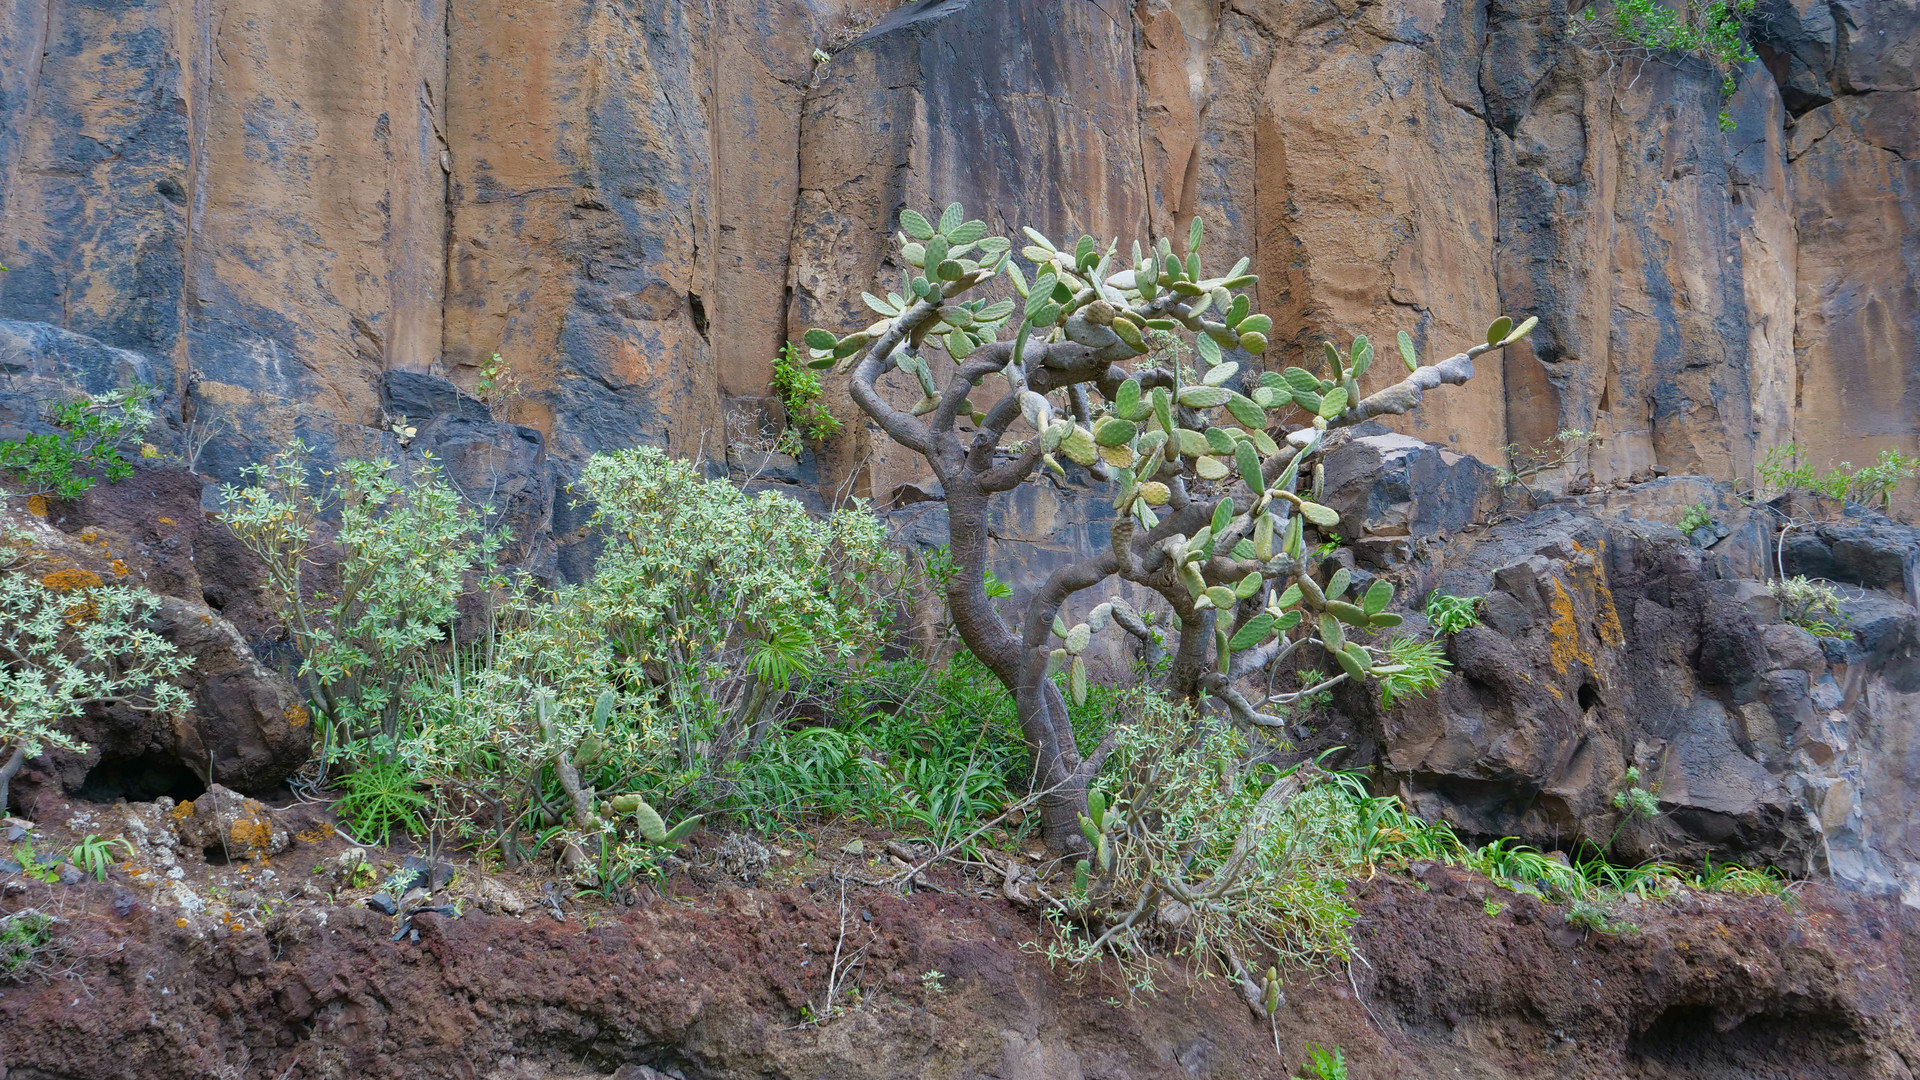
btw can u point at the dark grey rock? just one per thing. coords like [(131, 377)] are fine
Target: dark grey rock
[(417, 396), (383, 904), (1862, 548), (1387, 486)]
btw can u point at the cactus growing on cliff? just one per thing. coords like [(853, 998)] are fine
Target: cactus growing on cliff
[(1213, 472)]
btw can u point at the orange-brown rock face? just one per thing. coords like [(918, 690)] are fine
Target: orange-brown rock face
[(635, 203)]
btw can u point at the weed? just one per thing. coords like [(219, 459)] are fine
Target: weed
[(799, 389), (1783, 469), (1697, 517), (1713, 30), (379, 798), (27, 945), (930, 981), (1593, 917), (94, 855), (1452, 614), (1811, 605), (1325, 1063)]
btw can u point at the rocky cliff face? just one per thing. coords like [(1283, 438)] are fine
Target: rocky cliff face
[(635, 202)]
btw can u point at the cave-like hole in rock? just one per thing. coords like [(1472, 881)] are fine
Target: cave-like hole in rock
[(140, 778), (1589, 696), (1692, 1041)]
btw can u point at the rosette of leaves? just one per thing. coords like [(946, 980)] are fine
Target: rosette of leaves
[(1213, 473)]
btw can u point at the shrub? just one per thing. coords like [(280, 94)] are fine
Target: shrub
[(1212, 508), (408, 546), (799, 390), (1783, 470), (92, 431), (1813, 606), (1452, 614), (68, 647), (709, 613), (1713, 30)]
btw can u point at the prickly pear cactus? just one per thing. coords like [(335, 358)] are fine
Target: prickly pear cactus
[(1212, 467)]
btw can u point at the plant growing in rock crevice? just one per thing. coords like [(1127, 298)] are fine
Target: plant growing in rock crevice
[(1212, 508)]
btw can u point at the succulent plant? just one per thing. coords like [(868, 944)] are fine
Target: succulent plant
[(1214, 473)]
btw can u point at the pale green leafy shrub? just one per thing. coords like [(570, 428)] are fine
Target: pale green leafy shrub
[(408, 544), (1814, 606), (65, 649)]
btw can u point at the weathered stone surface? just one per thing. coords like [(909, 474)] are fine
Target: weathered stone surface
[(1863, 548), (1394, 487), (224, 821)]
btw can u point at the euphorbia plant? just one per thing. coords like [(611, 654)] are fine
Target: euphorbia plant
[(1212, 470)]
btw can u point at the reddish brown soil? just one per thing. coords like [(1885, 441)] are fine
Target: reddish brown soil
[(713, 983)]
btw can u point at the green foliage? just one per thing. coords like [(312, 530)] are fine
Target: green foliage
[(379, 798), (1415, 666), (91, 433), (411, 545), (1814, 606), (1697, 517), (65, 648), (1783, 469), (27, 945), (661, 681), (799, 389), (95, 855), (1633, 800), (1452, 614), (1595, 917), (918, 749), (498, 387), (1191, 845), (1713, 30), (1325, 1063)]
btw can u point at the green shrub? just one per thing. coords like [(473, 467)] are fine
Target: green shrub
[(69, 646), (92, 433), (1783, 470), (710, 615), (1452, 614), (409, 547), (1713, 30), (799, 390)]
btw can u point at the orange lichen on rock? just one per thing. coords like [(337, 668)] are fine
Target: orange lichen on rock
[(37, 505), (1606, 617), (297, 715), (119, 568), (70, 578), (1564, 647)]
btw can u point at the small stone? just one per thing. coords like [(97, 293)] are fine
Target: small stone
[(8, 866), (382, 903), (856, 847), (72, 875)]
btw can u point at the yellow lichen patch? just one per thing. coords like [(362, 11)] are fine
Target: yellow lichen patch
[(70, 578), (89, 535), (314, 834), (164, 520), (37, 505), (1606, 617), (183, 811), (254, 834), (297, 715), (119, 568), (1564, 647)]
